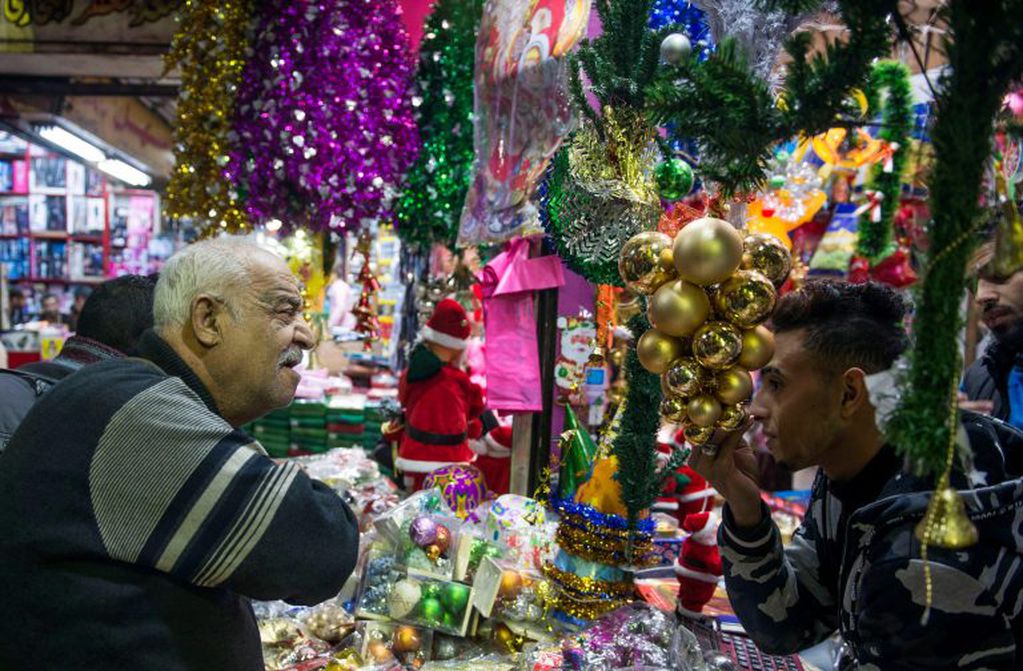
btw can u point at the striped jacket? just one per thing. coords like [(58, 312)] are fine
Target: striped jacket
[(857, 568), (136, 524)]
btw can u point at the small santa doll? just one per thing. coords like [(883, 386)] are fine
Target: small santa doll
[(493, 458), (699, 564), (685, 491), (441, 405)]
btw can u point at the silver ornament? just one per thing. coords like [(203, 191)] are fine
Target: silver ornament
[(675, 48)]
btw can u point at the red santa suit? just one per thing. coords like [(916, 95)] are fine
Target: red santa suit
[(685, 491), (441, 405), (493, 458), (699, 564)]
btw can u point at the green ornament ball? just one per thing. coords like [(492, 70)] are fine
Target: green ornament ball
[(449, 620), (454, 596), (777, 182), (431, 610), (431, 590), (674, 179)]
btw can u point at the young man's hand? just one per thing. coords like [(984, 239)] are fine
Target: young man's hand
[(983, 407), (733, 472)]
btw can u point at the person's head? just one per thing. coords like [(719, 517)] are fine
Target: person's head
[(81, 295), (1000, 299), (447, 332), (50, 305), (16, 299), (233, 312), (813, 401), (118, 312)]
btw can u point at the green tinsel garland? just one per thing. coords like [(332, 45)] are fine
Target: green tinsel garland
[(984, 55), (635, 446), (875, 237), (429, 209), (734, 118)]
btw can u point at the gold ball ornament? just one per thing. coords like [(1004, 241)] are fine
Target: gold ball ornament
[(674, 408), (407, 639), (641, 263), (707, 251), (698, 435), (685, 377), (704, 410), (678, 308), (732, 417), (511, 584), (506, 637), (657, 350), (443, 538), (746, 298), (433, 553), (767, 254), (379, 651), (734, 385), (757, 348), (717, 345)]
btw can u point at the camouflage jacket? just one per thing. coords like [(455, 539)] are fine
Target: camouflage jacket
[(859, 571)]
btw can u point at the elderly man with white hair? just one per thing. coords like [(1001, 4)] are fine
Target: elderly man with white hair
[(136, 519)]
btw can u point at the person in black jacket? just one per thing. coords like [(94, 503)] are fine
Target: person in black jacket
[(993, 384), (111, 321), (137, 520)]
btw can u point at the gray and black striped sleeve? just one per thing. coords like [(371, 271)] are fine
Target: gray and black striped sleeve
[(175, 488)]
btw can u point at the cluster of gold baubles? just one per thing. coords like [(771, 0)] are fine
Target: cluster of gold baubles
[(709, 293)]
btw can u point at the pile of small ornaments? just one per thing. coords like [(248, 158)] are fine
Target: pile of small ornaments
[(709, 293)]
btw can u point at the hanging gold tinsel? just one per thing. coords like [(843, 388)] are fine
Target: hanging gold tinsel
[(209, 52)]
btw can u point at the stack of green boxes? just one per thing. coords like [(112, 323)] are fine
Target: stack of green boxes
[(376, 414), (308, 426), (273, 431), (346, 418)]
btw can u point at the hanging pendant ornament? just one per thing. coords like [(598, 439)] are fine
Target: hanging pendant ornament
[(946, 524), (674, 179), (676, 48), (367, 323)]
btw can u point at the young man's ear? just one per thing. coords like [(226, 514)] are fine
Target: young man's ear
[(854, 392), (207, 316)]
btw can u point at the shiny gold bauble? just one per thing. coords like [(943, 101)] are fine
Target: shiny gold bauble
[(674, 408), (678, 308), (379, 651), (717, 345), (768, 255), (698, 435), (407, 639), (704, 410), (433, 552), (946, 524), (641, 263), (734, 385), (757, 348), (443, 538), (657, 350), (511, 584), (745, 299), (506, 637), (732, 417), (685, 377), (707, 251)]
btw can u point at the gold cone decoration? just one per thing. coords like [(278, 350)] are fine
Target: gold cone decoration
[(1008, 257), (946, 525)]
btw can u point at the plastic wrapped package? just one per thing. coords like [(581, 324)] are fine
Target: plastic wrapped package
[(384, 643)]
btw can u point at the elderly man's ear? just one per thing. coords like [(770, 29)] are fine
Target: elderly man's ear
[(208, 314)]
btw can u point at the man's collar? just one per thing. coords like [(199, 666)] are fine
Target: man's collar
[(155, 349), (80, 351)]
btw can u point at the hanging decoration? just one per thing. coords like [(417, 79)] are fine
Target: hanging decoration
[(577, 454), (726, 104), (876, 249), (521, 111), (367, 323), (209, 51), (704, 342), (324, 118), (428, 210)]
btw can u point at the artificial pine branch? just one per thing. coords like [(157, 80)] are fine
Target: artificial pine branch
[(635, 445), (980, 44)]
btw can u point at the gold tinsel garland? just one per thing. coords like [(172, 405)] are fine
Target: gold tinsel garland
[(600, 549), (585, 598), (209, 51)]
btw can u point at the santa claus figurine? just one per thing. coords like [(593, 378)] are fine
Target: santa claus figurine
[(493, 458), (441, 405), (685, 491), (699, 564)]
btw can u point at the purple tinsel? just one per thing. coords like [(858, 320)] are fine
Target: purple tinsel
[(324, 128)]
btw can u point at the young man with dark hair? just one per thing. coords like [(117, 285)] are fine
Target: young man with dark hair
[(112, 319), (17, 307), (854, 564), (50, 309)]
